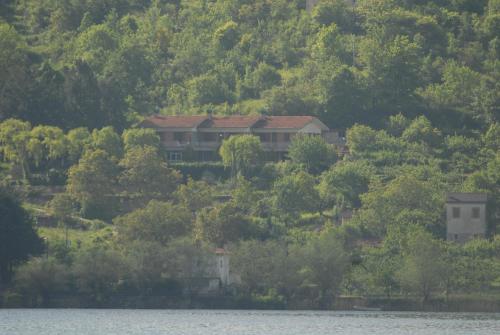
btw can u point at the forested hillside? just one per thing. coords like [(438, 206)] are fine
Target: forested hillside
[(413, 83), (96, 63)]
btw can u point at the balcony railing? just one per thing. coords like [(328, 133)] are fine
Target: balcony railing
[(198, 145)]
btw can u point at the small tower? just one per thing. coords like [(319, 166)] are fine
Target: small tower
[(466, 216)]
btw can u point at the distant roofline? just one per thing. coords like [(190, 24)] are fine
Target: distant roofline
[(467, 197), (254, 122)]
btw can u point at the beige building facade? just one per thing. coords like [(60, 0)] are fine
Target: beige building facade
[(466, 216), (200, 136)]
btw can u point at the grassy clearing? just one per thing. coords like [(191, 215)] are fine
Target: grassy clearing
[(84, 238)]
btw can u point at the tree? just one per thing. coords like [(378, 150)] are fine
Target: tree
[(462, 153), (195, 195), (239, 152), (406, 200), (92, 183), (333, 11), (265, 265), (421, 130), (41, 278), (361, 139), (464, 90), (247, 197), (227, 35), (223, 224), (157, 222), (14, 139), (344, 182), (14, 72), (18, 238), (423, 265), (491, 140), (397, 124), (392, 69), (78, 141), (295, 193), (47, 143), (381, 266), (108, 140), (312, 152), (98, 272), (262, 78), (82, 97), (148, 263), (324, 263), (146, 175), (140, 138), (211, 88), (95, 45)]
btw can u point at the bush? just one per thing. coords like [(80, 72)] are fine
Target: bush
[(197, 170)]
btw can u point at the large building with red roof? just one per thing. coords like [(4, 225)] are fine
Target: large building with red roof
[(202, 135)]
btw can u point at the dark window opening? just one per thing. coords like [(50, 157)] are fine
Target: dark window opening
[(456, 212), (175, 156), (476, 212), (179, 137)]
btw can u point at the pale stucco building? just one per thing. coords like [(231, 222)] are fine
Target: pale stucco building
[(466, 216)]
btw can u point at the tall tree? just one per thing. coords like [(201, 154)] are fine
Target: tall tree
[(423, 264), (15, 136), (240, 152), (92, 182), (312, 152), (18, 237), (146, 175), (157, 222)]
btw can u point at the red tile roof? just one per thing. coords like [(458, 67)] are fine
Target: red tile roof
[(467, 197), (233, 121), (287, 122), (180, 121)]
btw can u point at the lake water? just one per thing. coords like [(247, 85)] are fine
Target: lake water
[(221, 322)]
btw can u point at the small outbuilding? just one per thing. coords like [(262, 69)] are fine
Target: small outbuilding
[(466, 217)]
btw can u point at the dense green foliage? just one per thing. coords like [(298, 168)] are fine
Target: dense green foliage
[(414, 83), (18, 238), (95, 63)]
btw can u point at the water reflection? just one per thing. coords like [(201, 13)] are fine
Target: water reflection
[(208, 322)]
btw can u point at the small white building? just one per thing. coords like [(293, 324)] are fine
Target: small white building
[(214, 275), (466, 216)]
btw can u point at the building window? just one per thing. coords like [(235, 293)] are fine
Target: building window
[(455, 212), (264, 138), (475, 212), (209, 137), (455, 237), (287, 137), (175, 156)]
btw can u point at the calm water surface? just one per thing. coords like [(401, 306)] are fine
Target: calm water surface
[(217, 322)]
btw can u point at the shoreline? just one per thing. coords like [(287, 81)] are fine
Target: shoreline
[(349, 304)]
